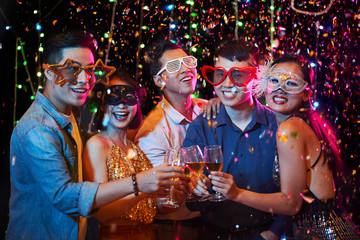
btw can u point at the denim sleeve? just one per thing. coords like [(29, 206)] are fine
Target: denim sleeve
[(281, 225), (43, 151)]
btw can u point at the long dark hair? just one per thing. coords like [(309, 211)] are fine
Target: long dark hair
[(322, 128)]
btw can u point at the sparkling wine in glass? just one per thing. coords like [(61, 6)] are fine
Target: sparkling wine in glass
[(214, 161), (194, 164), (172, 158)]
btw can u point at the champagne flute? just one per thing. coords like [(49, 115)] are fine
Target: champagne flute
[(214, 161), (194, 164), (171, 159)]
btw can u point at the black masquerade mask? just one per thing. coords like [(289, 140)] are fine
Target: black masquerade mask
[(116, 94)]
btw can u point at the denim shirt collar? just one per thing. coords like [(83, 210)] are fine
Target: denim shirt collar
[(259, 116), (45, 103)]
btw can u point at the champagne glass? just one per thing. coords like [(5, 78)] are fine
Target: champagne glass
[(194, 164), (171, 159), (214, 161)]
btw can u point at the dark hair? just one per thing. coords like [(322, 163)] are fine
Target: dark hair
[(303, 63), (54, 46), (322, 128), (124, 76), (239, 50), (155, 52)]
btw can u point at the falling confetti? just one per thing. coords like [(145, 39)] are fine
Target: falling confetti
[(330, 41)]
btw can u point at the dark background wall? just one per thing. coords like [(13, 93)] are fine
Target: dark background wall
[(330, 41)]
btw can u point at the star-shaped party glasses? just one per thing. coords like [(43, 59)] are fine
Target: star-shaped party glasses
[(68, 71)]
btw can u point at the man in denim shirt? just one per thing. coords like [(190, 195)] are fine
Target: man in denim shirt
[(47, 193), (245, 130)]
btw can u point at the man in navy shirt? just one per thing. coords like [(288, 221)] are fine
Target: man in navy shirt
[(246, 132)]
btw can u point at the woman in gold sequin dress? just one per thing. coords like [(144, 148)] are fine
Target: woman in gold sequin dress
[(109, 155)]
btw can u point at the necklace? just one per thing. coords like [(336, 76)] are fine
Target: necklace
[(110, 138), (126, 152)]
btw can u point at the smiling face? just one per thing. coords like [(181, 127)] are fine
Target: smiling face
[(182, 82), (230, 94), (282, 102), (121, 115), (65, 95)]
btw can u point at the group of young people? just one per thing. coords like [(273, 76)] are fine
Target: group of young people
[(277, 163)]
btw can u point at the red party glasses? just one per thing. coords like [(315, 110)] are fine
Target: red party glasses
[(239, 76)]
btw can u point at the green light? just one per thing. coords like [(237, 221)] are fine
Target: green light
[(42, 34), (240, 24), (194, 95), (193, 49), (193, 14), (112, 0), (25, 63), (35, 11), (187, 36), (38, 74), (41, 49), (16, 122), (272, 29), (142, 45), (32, 97), (18, 47), (99, 73), (189, 2), (19, 86), (144, 27), (106, 35), (272, 8), (194, 25)]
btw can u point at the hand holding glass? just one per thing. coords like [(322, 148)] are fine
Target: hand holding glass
[(194, 164), (214, 161), (172, 159)]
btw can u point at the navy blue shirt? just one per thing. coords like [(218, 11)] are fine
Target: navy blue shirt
[(248, 156)]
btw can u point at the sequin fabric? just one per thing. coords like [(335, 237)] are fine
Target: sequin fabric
[(323, 220), (121, 165)]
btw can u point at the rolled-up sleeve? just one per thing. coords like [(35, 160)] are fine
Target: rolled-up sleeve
[(53, 170)]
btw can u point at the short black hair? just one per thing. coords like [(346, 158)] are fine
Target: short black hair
[(300, 60), (155, 52), (54, 46), (239, 50)]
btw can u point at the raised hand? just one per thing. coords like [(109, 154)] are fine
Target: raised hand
[(199, 184), (212, 108), (224, 183), (157, 180)]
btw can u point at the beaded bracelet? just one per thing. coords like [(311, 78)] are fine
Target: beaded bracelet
[(135, 185)]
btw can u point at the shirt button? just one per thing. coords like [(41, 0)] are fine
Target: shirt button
[(240, 175), (241, 155)]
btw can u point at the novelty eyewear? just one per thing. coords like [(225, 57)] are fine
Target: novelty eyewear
[(174, 66), (116, 94), (69, 72), (239, 76), (289, 82)]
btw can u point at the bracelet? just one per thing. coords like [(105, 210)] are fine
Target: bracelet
[(135, 185)]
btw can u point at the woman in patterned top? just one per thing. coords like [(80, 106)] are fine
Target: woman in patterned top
[(109, 155)]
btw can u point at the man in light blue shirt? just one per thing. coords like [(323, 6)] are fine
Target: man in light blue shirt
[(48, 195)]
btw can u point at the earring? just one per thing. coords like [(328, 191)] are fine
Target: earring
[(105, 120), (163, 85)]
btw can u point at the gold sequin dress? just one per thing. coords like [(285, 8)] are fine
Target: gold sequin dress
[(121, 165)]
